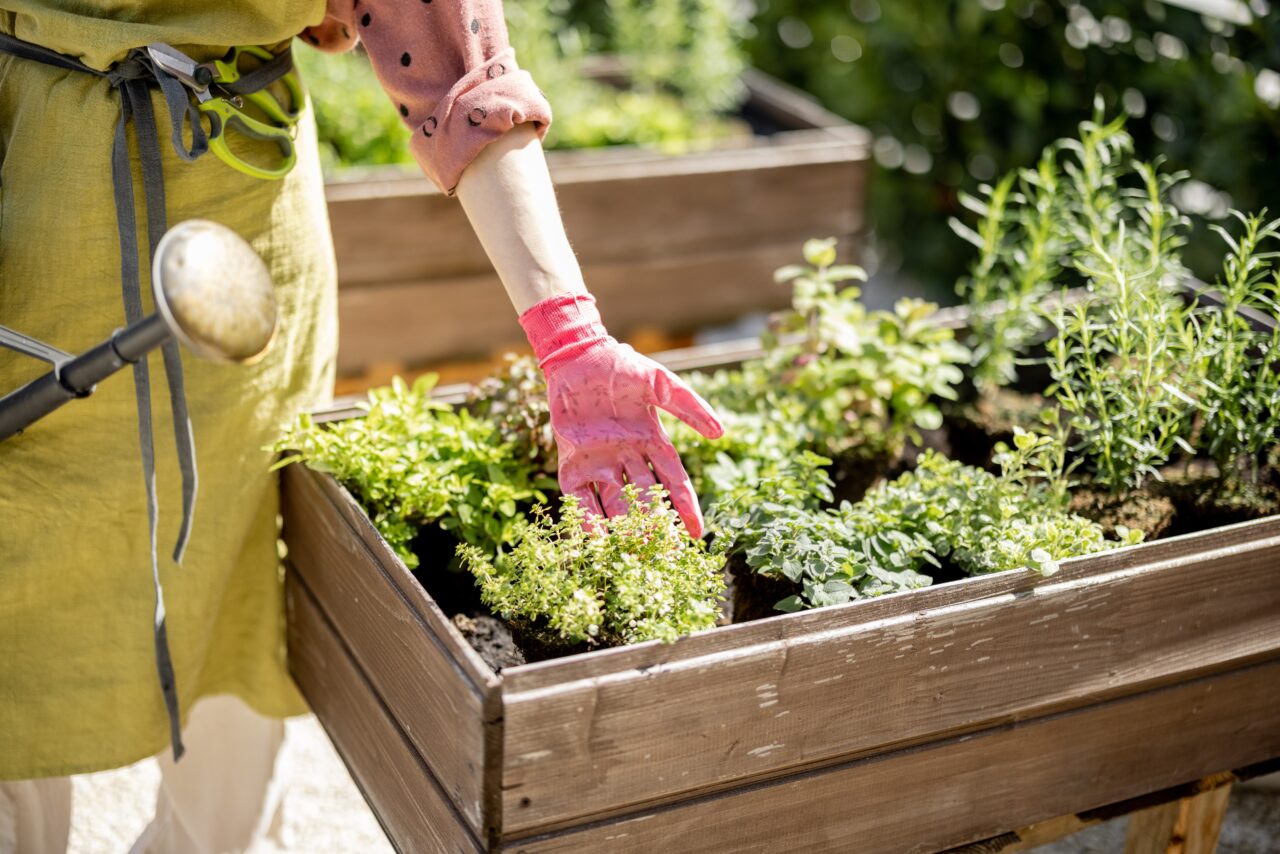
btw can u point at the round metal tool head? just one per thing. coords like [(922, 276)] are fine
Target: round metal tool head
[(214, 291)]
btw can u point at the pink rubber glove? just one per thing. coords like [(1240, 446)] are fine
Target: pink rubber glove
[(602, 396)]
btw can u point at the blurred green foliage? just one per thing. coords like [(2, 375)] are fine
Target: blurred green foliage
[(957, 91), (356, 121), (684, 60)]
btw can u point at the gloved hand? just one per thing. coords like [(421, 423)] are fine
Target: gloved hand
[(602, 396)]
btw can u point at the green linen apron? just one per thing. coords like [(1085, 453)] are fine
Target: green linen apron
[(78, 688)]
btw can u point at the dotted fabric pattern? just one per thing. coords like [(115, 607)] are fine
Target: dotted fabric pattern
[(448, 67)]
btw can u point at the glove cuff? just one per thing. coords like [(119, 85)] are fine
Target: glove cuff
[(562, 327)]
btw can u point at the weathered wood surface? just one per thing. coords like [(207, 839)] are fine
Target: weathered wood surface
[(1244, 537), (873, 676), (649, 230), (413, 809), (1042, 833), (970, 787), (439, 692), (415, 321), (379, 225), (1186, 826)]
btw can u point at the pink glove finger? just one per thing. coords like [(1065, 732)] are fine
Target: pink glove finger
[(611, 498), (588, 501), (675, 396), (638, 472), (667, 465)]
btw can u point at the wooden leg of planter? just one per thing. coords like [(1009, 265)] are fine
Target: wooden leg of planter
[(1186, 826)]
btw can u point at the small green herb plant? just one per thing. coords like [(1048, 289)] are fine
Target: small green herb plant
[(1143, 375), (514, 398), (1240, 400), (903, 530), (868, 378), (1085, 196), (1124, 366), (413, 461), (1038, 460), (780, 529), (835, 379), (622, 580)]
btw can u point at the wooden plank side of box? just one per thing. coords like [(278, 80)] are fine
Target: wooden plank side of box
[(1244, 536), (968, 788), (631, 207), (416, 322), (433, 683), (413, 809), (588, 748)]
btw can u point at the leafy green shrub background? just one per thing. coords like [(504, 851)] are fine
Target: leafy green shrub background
[(957, 92)]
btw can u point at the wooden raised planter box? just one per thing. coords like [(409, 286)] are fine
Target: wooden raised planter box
[(660, 237), (915, 722)]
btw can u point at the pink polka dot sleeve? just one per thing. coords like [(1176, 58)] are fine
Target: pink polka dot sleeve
[(449, 69)]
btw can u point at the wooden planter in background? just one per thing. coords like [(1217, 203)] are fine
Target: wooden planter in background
[(666, 242), (914, 722)]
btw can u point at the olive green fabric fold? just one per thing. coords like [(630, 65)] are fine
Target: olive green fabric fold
[(77, 678)]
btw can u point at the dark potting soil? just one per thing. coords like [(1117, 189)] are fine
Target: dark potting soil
[(855, 475), (753, 595), (539, 644), (455, 591), (976, 426), (491, 638), (1205, 501), (1142, 510), (1186, 500)]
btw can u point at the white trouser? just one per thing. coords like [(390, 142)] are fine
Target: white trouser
[(224, 796)]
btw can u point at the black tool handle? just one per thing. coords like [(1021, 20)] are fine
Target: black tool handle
[(77, 377)]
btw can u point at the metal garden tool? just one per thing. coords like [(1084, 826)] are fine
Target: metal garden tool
[(212, 293), (238, 103)]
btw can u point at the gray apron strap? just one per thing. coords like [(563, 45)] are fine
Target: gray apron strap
[(132, 94), (262, 76)]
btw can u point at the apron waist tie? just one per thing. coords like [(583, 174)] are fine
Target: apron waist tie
[(133, 78)]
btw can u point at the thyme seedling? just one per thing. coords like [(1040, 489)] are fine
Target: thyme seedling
[(629, 578)]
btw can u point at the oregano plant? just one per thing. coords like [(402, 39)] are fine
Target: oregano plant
[(413, 461)]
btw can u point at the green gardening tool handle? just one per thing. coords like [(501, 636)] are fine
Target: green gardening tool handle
[(227, 70), (225, 117)]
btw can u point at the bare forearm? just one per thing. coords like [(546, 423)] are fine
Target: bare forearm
[(508, 197)]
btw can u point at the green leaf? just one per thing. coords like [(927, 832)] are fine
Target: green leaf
[(790, 604), (845, 272), (927, 418), (820, 253), (789, 272)]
